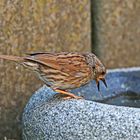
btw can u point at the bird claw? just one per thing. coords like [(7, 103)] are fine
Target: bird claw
[(69, 95), (74, 97)]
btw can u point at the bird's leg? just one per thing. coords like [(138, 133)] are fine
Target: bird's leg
[(70, 95)]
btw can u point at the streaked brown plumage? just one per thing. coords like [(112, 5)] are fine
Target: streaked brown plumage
[(63, 71)]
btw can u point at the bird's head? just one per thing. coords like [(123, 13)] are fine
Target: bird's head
[(99, 72)]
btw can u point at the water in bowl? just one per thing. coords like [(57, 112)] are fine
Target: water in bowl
[(129, 99)]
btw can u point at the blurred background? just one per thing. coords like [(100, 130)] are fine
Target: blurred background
[(108, 28)]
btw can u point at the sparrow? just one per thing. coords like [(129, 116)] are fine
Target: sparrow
[(63, 71)]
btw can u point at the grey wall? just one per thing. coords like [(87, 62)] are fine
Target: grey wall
[(116, 32)]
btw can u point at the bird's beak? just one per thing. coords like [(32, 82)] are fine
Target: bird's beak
[(104, 81), (98, 83)]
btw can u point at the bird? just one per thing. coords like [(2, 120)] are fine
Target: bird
[(64, 70)]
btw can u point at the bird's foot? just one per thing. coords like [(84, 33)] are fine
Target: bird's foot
[(69, 95)]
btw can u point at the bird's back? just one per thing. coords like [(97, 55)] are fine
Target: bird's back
[(61, 70)]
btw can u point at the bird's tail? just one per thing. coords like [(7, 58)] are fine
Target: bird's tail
[(12, 58)]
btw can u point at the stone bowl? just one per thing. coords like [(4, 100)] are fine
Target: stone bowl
[(48, 116)]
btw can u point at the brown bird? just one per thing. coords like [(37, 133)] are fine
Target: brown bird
[(63, 71)]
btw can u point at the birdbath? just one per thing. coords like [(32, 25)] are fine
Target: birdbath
[(114, 115)]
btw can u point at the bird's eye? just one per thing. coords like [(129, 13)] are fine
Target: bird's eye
[(103, 73), (93, 67)]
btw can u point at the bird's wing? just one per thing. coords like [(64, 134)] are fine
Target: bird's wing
[(72, 64)]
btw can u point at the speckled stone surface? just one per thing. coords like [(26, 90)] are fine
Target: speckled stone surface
[(116, 32), (35, 26), (48, 116)]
